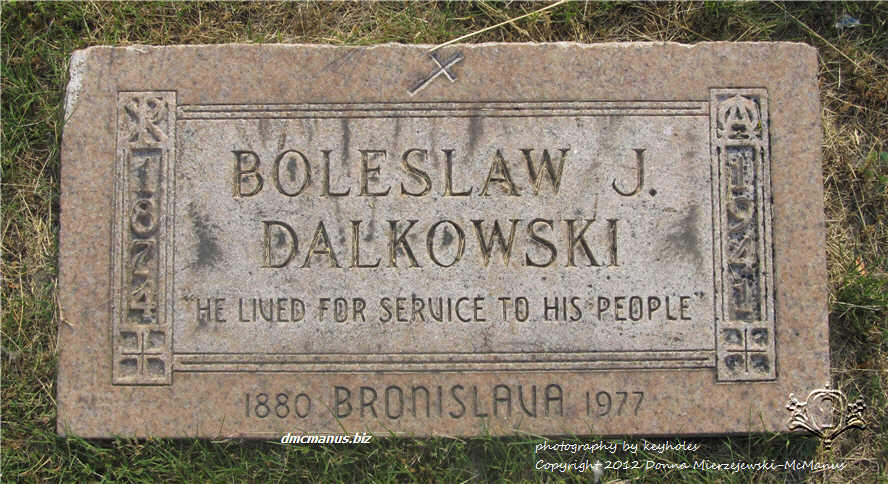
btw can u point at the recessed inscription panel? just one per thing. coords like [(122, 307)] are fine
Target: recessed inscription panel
[(475, 232)]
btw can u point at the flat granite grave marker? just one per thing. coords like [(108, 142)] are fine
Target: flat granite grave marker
[(504, 238)]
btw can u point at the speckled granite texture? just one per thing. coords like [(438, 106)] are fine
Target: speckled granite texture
[(548, 238)]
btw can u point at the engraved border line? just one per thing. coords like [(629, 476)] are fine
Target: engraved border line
[(443, 110)]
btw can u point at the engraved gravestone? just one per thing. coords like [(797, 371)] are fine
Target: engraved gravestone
[(552, 238)]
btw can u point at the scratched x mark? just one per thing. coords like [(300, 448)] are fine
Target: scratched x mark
[(442, 69)]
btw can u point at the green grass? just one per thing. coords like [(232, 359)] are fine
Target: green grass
[(37, 40)]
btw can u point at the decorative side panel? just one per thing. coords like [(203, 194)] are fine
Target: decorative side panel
[(141, 334), (744, 306)]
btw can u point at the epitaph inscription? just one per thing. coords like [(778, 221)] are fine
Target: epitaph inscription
[(475, 255)]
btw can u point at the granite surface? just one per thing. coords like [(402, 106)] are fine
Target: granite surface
[(550, 238)]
